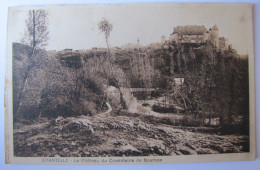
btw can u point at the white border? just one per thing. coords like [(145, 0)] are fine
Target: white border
[(166, 159)]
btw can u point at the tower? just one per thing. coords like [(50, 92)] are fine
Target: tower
[(213, 36), (163, 40)]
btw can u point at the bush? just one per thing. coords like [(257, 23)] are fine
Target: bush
[(141, 95), (184, 121), (91, 85), (160, 109), (113, 82), (189, 120), (145, 104), (160, 120), (124, 113)]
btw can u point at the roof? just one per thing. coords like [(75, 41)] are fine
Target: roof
[(222, 38), (190, 30), (215, 27)]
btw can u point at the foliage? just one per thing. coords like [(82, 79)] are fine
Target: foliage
[(160, 109), (35, 37), (36, 32), (106, 27), (216, 83)]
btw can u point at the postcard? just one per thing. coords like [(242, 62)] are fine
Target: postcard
[(130, 84)]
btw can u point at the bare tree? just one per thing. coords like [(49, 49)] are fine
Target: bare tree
[(36, 37)]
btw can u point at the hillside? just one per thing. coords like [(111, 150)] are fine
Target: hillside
[(171, 100)]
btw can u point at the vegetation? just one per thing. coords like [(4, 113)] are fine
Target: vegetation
[(79, 104), (35, 37), (106, 27), (215, 82), (196, 80)]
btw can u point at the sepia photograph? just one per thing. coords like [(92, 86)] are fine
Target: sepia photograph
[(130, 83)]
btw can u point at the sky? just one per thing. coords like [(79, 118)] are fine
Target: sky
[(76, 27)]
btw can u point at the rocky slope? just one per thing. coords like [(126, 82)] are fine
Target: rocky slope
[(108, 134)]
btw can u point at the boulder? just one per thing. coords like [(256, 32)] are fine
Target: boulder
[(73, 125)]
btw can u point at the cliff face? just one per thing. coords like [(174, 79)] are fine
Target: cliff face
[(54, 85)]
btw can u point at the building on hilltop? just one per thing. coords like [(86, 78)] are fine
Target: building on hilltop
[(197, 34), (230, 48), (213, 36), (67, 50), (223, 43), (163, 39), (188, 34)]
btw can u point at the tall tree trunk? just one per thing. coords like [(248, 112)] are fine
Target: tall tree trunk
[(110, 57), (31, 61), (34, 32)]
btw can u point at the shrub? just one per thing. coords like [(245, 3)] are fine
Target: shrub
[(145, 104), (189, 120), (161, 109), (124, 113)]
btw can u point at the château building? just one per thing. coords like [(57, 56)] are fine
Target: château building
[(197, 34)]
